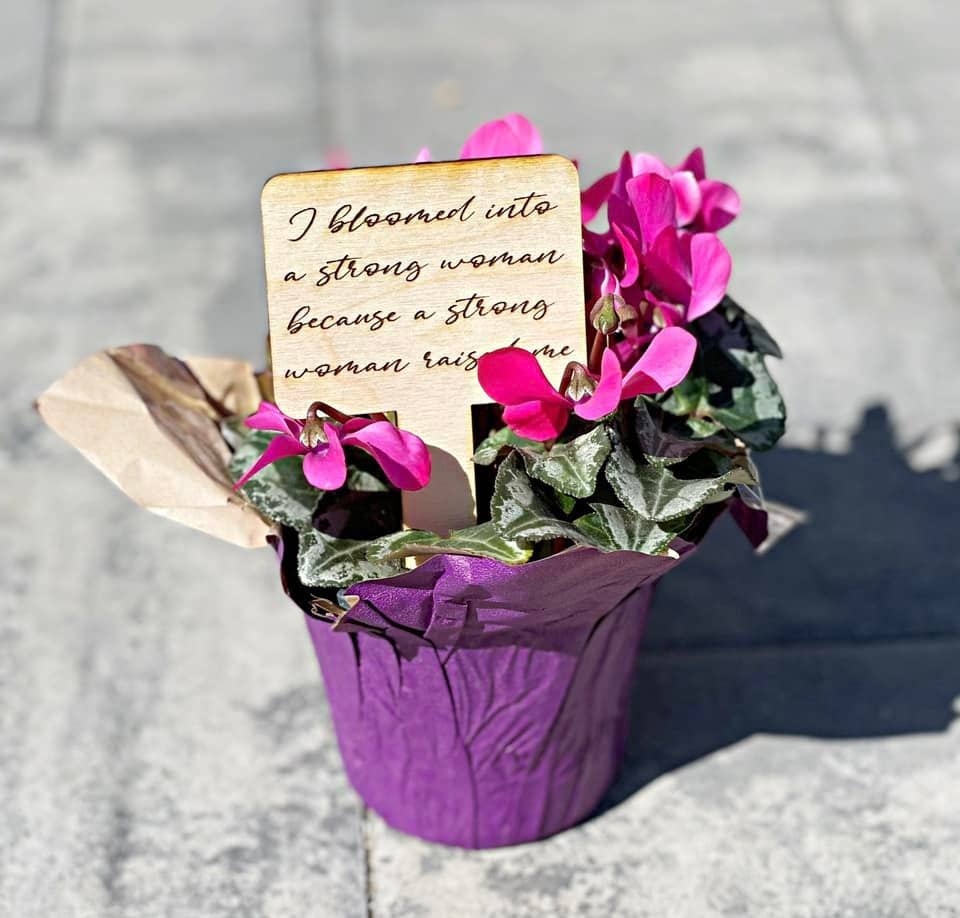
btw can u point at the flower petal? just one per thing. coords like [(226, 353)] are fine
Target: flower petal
[(512, 135), (687, 192), (647, 163), (512, 375), (719, 207), (621, 212), (528, 138), (662, 365), (631, 260), (537, 420), (403, 456), (325, 466), (278, 448), (668, 267), (423, 156), (269, 417), (710, 267), (654, 205), (606, 396), (595, 197), (595, 244), (608, 281), (337, 158), (694, 163), (623, 174), (628, 349)]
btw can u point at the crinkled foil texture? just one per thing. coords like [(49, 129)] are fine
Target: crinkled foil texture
[(478, 704)]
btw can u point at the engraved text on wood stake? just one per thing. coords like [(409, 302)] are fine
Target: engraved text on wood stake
[(385, 285)]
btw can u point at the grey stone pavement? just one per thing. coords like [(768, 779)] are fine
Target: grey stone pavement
[(165, 747)]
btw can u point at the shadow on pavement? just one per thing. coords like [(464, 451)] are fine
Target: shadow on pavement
[(849, 628)]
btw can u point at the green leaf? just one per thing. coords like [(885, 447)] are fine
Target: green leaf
[(279, 492), (489, 449), (571, 467), (655, 492), (565, 502), (664, 441), (519, 513), (616, 529), (323, 561), (730, 386), (481, 541), (688, 396), (359, 480), (755, 411), (703, 428), (760, 339)]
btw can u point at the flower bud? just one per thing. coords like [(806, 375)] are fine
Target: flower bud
[(313, 433), (603, 315), (628, 313), (581, 384)]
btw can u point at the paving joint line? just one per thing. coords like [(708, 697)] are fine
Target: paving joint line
[(52, 79), (367, 859)]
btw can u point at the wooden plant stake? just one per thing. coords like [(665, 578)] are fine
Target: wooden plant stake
[(385, 285)]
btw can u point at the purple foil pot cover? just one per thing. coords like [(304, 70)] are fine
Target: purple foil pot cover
[(479, 704)]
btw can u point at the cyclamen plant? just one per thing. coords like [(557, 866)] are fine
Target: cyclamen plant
[(640, 448)]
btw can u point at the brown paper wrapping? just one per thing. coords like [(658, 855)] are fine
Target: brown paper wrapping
[(97, 409)]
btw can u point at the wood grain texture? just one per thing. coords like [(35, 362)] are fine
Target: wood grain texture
[(386, 284)]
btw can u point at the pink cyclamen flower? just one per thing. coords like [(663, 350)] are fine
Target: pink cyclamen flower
[(719, 202), (654, 266), (534, 409), (689, 269), (703, 205), (403, 456), (512, 135)]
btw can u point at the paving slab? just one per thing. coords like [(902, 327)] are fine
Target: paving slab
[(785, 826), (907, 61), (767, 89), (164, 738), (859, 325), (164, 744), (165, 747), (185, 64)]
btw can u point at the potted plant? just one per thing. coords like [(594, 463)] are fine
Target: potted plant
[(478, 679)]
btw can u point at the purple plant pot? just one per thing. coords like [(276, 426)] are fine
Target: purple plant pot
[(480, 705)]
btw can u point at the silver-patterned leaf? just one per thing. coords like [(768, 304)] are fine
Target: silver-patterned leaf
[(571, 467), (323, 561), (616, 529), (519, 513), (487, 452), (481, 541), (654, 492), (756, 412)]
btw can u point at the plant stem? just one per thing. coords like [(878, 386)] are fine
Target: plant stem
[(596, 351), (328, 410)]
